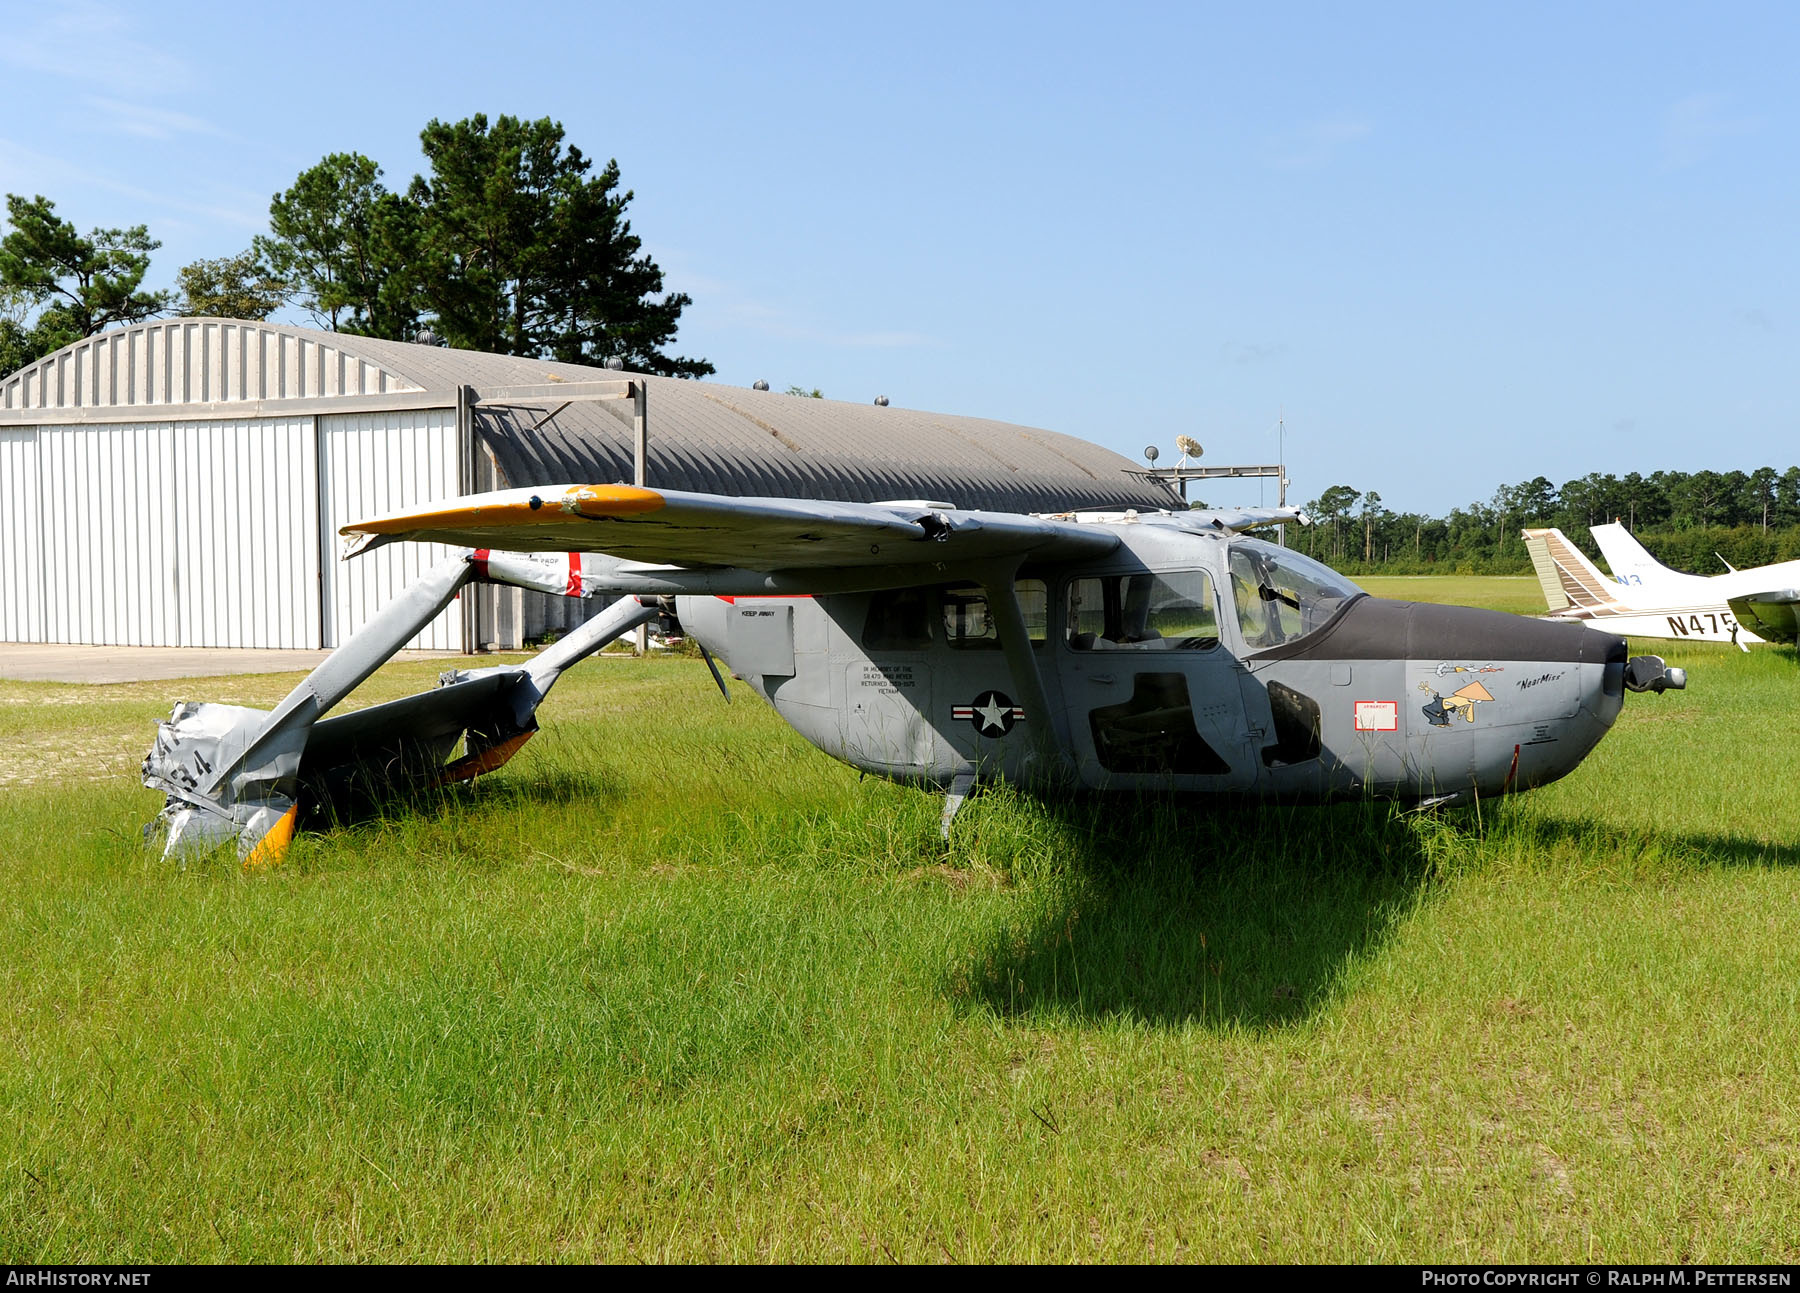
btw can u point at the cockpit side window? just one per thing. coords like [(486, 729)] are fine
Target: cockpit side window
[(1177, 607), (899, 619), (1089, 614), (1280, 595), (1034, 601), (969, 623), (1170, 611)]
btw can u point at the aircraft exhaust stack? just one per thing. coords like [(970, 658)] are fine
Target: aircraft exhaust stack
[(1649, 673)]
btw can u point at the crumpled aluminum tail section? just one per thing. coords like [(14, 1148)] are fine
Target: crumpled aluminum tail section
[(230, 773)]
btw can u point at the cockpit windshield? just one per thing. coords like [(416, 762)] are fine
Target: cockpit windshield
[(1280, 595)]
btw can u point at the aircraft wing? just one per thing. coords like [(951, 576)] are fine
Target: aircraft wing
[(1773, 616), (711, 531), (1239, 519)]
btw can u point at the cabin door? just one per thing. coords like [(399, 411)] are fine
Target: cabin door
[(1153, 698)]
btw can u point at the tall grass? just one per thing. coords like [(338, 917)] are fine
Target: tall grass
[(676, 986)]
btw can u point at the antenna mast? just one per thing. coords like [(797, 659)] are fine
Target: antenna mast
[(1281, 466)]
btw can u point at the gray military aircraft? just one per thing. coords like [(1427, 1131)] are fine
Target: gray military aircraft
[(1100, 651)]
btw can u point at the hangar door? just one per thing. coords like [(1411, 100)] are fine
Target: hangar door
[(180, 533), (372, 463), (22, 585)]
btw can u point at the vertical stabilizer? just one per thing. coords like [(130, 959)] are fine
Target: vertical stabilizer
[(1635, 567), (1568, 578)]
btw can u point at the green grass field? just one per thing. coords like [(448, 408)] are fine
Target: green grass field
[(1519, 594), (676, 986)]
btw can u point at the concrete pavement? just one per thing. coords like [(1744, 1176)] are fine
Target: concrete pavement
[(32, 662)]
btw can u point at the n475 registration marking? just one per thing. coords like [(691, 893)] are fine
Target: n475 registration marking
[(1700, 622)]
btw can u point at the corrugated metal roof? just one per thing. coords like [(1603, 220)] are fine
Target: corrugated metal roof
[(199, 361), (728, 440), (703, 436)]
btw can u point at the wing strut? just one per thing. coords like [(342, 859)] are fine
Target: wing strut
[(960, 786), (1000, 582)]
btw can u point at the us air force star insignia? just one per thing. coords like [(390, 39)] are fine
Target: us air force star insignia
[(992, 713)]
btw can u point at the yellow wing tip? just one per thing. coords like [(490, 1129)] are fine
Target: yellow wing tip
[(612, 500), (574, 502)]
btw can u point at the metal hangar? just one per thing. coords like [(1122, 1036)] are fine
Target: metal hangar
[(181, 482)]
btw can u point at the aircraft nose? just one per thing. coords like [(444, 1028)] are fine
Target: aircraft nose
[(1375, 628), (1468, 631), (1555, 689), (1527, 656), (1485, 701), (1497, 702)]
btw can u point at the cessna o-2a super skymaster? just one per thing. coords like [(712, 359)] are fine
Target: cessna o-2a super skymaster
[(917, 641)]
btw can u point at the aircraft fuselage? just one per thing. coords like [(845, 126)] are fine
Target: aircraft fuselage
[(1182, 661)]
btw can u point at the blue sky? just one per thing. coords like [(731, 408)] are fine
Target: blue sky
[(1453, 247)]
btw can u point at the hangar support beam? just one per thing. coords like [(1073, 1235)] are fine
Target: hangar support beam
[(558, 395)]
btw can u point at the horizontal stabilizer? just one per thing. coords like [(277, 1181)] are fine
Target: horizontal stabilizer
[(1570, 581), (412, 737)]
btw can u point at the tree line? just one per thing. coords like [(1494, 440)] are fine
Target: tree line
[(512, 242), (1690, 520)]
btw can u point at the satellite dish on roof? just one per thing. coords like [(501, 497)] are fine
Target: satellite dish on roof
[(759, 385), (1190, 447), (1150, 453)]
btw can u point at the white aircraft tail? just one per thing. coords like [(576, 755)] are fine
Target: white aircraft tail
[(1631, 564), (1646, 599), (1568, 578)]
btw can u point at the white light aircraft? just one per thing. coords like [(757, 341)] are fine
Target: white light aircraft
[(1644, 598)]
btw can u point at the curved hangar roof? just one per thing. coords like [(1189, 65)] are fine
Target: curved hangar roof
[(703, 436)]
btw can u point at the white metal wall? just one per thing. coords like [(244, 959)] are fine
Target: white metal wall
[(373, 463), (244, 534), (108, 578), (21, 556), (180, 533)]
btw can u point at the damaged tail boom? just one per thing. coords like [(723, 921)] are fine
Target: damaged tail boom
[(229, 772)]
